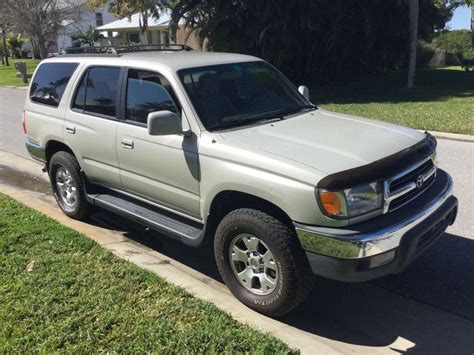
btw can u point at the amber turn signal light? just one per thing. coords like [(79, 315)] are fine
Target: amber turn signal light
[(331, 203)]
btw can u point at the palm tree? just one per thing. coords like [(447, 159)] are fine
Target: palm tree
[(90, 37), (413, 6)]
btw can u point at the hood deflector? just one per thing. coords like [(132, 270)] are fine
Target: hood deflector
[(382, 169)]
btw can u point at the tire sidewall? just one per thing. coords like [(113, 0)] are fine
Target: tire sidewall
[(59, 160), (270, 303)]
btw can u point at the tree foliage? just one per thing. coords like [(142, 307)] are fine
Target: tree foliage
[(456, 42), (89, 37), (314, 40), (14, 44)]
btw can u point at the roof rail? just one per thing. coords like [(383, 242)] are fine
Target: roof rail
[(117, 50), (90, 50), (154, 47)]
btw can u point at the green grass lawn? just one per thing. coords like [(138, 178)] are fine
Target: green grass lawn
[(442, 101), (8, 74), (78, 297)]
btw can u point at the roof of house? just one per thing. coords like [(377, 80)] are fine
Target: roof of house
[(134, 22)]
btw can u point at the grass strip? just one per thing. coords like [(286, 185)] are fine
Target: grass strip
[(61, 291)]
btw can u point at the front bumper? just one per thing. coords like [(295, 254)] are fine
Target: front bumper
[(383, 245)]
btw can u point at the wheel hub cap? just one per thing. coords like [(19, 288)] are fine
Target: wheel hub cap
[(67, 190), (253, 264)]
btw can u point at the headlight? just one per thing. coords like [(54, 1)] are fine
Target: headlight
[(351, 202)]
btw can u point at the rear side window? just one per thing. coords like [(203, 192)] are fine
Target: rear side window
[(148, 92), (50, 81), (97, 91)]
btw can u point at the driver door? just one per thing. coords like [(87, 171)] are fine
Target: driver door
[(161, 169)]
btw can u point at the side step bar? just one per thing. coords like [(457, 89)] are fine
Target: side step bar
[(188, 232)]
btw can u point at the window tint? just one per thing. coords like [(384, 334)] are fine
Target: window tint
[(80, 98), (97, 91), (50, 82), (148, 92)]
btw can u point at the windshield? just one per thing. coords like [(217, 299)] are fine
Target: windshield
[(237, 94)]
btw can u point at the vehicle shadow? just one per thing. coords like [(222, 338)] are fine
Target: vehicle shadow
[(373, 314)]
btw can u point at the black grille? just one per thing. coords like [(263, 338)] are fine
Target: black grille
[(408, 178)]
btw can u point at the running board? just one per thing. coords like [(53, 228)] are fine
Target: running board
[(165, 222)]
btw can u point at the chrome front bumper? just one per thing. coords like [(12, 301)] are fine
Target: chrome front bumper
[(357, 243)]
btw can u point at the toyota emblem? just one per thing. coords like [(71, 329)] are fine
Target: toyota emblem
[(419, 181)]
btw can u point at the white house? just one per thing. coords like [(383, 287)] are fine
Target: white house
[(127, 31), (90, 19)]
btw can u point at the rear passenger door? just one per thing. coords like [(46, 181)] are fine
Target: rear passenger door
[(163, 169), (91, 124), (45, 106)]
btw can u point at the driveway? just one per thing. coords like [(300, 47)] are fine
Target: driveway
[(428, 308)]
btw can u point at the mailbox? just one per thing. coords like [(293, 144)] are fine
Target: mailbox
[(21, 71)]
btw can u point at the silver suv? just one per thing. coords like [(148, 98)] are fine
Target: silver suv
[(223, 148)]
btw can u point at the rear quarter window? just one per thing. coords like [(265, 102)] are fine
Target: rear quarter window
[(50, 81)]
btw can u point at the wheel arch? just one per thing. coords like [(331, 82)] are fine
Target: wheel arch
[(54, 146), (229, 200)]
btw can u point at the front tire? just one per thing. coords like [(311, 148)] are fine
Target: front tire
[(67, 185), (262, 262)]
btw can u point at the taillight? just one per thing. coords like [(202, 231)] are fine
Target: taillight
[(23, 121)]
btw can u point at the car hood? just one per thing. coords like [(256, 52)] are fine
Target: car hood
[(326, 141)]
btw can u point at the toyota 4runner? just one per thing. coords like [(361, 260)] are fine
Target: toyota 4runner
[(223, 148)]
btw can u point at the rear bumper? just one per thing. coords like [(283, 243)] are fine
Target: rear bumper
[(384, 245)]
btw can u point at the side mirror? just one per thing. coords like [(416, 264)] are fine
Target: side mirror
[(163, 123), (304, 91)]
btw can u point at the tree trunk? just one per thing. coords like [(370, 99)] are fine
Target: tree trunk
[(41, 45), (34, 49), (413, 9), (5, 49), (144, 27), (144, 37)]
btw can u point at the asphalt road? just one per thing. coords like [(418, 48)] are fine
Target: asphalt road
[(428, 308)]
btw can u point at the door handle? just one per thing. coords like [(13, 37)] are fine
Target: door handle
[(71, 129), (127, 143)]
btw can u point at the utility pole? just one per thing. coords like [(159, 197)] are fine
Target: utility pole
[(4, 44)]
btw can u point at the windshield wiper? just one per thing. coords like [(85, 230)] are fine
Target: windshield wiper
[(275, 115), (291, 110), (241, 121)]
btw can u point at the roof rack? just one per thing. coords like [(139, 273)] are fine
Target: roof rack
[(117, 50)]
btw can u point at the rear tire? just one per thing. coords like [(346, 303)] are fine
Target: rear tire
[(262, 262), (68, 186)]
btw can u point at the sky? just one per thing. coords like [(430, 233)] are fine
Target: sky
[(461, 19)]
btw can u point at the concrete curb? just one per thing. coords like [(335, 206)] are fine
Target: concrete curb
[(178, 274), (452, 136), (14, 87)]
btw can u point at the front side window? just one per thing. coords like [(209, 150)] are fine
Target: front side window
[(240, 93), (50, 81), (148, 92), (97, 91)]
